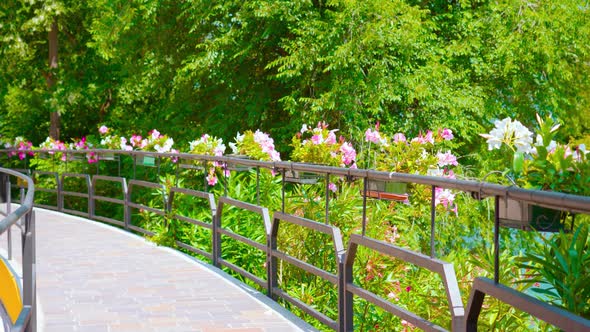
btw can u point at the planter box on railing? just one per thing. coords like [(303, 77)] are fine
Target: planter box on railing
[(395, 191), (236, 167), (146, 160), (525, 216), (108, 156), (302, 177)]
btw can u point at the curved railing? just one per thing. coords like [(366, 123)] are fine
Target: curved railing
[(342, 279), (24, 219)]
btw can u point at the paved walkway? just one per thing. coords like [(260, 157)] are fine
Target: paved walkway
[(93, 277)]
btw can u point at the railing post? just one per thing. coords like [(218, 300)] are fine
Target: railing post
[(8, 210), (345, 313), (272, 261), (216, 236), (127, 209), (29, 270)]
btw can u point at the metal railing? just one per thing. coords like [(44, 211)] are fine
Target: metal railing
[(345, 258), (24, 219)]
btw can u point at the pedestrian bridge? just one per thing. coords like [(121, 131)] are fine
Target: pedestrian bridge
[(95, 277), (89, 276)]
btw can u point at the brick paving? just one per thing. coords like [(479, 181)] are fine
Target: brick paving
[(94, 277)]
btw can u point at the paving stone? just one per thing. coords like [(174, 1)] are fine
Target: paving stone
[(94, 277)]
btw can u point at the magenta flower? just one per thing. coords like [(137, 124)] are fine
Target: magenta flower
[(348, 153), (136, 140), (447, 134)]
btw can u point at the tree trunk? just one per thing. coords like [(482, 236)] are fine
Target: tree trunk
[(53, 60)]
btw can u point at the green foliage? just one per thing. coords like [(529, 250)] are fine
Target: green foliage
[(567, 276)]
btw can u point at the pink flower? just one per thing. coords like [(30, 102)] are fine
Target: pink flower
[(447, 134), (211, 179), (408, 289), (332, 187), (174, 159), (446, 158), (317, 139), (399, 137), (103, 130), (331, 137), (423, 139), (135, 140), (348, 153), (155, 134), (372, 136)]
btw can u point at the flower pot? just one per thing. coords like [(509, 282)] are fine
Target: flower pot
[(146, 160), (395, 191), (302, 177), (525, 216)]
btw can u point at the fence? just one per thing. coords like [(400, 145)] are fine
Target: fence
[(345, 257), (22, 304)]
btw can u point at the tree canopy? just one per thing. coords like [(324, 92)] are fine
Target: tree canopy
[(195, 66)]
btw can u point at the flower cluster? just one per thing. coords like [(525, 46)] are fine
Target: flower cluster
[(258, 145), (52, 145), (21, 145), (544, 164), (424, 154), (319, 145), (83, 144), (511, 133), (211, 146), (113, 142), (207, 145), (157, 142)]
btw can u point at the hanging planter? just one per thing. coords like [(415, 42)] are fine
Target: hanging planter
[(395, 191), (146, 160), (525, 216), (302, 177)]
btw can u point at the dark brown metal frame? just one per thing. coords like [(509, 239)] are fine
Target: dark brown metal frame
[(347, 289)]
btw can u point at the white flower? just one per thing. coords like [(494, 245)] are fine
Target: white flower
[(233, 147), (304, 128), (239, 138), (511, 133)]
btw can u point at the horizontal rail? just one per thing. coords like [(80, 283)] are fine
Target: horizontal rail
[(560, 318), (343, 258)]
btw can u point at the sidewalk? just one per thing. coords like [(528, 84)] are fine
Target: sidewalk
[(94, 277)]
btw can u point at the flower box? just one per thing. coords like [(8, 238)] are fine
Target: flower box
[(191, 164), (146, 160), (77, 156), (525, 216), (108, 156), (302, 177), (395, 191), (236, 167)]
